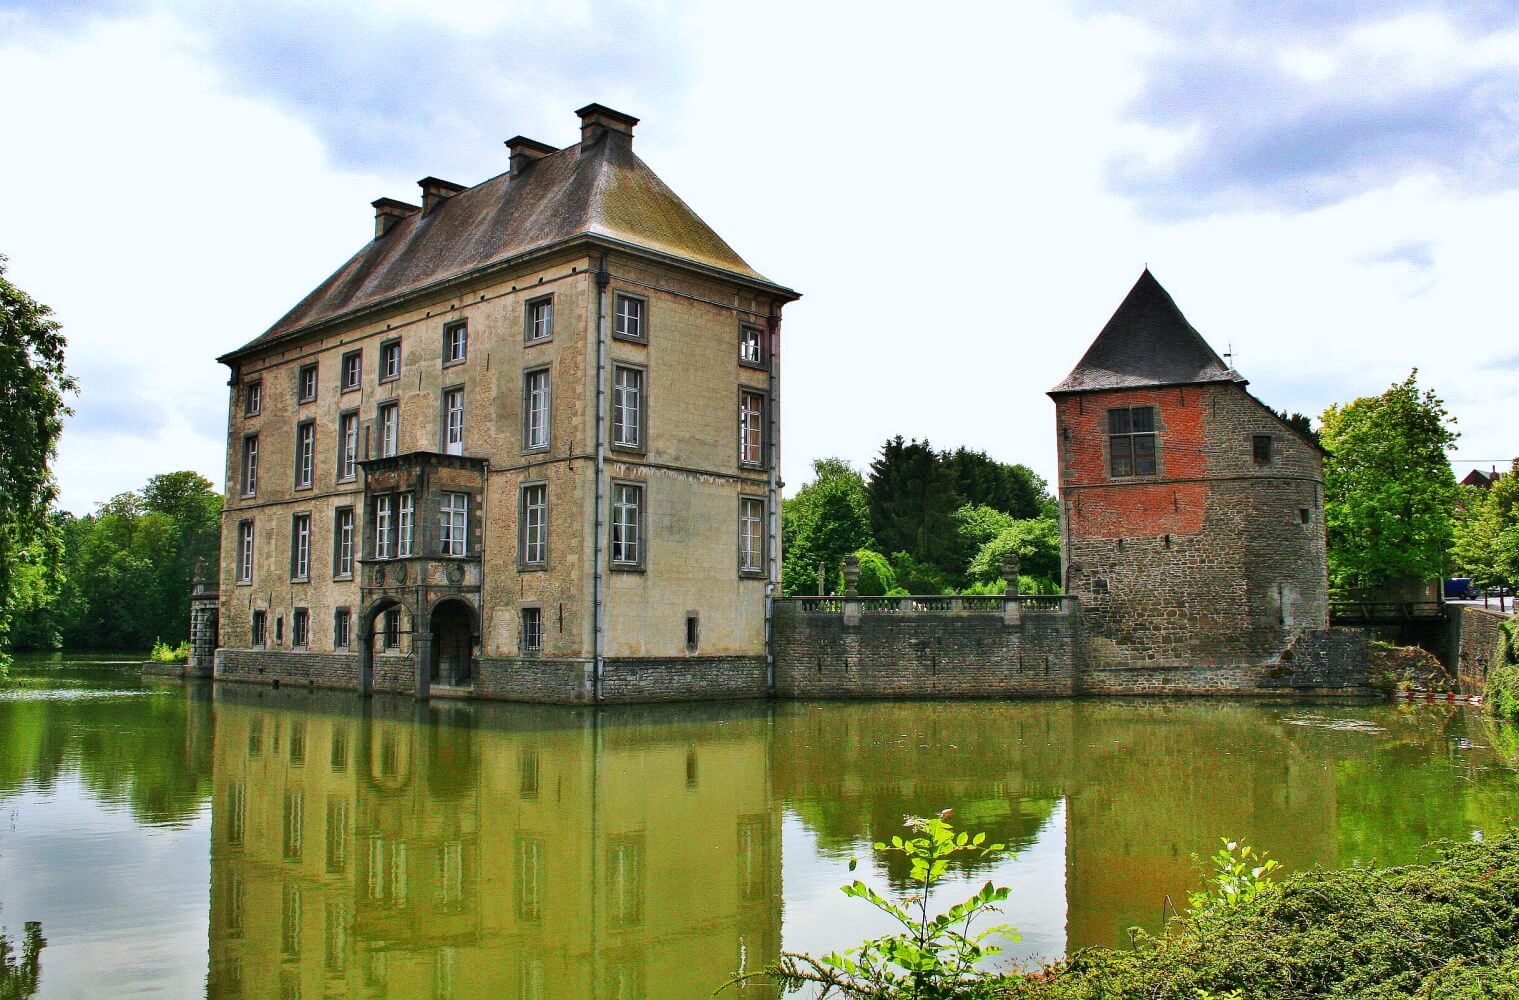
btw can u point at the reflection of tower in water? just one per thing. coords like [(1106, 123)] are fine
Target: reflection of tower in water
[(392, 849)]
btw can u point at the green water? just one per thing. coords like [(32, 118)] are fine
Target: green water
[(238, 841)]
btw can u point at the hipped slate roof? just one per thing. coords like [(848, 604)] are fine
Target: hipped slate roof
[(604, 192), (1148, 342)]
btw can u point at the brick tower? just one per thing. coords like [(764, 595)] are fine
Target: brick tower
[(1192, 515)]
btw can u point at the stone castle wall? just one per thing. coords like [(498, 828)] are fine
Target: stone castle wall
[(1478, 638)]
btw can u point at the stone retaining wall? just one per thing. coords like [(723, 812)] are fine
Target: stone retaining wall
[(1478, 629)]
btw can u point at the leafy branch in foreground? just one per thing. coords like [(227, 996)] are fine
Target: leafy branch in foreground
[(934, 955)]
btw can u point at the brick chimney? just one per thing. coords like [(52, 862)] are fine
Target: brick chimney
[(388, 212), (597, 121), (435, 192), (525, 151)]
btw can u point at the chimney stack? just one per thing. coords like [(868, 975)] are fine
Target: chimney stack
[(597, 120), (435, 192), (388, 212), (525, 151)]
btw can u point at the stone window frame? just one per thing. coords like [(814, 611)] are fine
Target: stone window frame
[(305, 454), (299, 574), (745, 391), (524, 564), (545, 370), (530, 313), (1256, 451), (641, 447), (447, 537), (642, 336), (452, 327), (763, 361), (258, 629), (406, 524), (641, 531), (342, 457), (247, 472), (386, 347), (385, 527), (253, 397), (243, 558), (693, 631), (308, 382), (526, 611), (342, 627), (389, 406), (1109, 435), (300, 628), (758, 571), (445, 426), (357, 384), (337, 541)]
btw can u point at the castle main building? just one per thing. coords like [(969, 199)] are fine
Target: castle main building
[(524, 444)]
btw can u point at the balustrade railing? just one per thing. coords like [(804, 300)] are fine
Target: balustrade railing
[(930, 604)]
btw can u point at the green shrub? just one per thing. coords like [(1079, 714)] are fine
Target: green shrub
[(1502, 695), (877, 578), (164, 653)]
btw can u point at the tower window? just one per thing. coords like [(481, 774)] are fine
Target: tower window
[(693, 632), (1131, 441), (1262, 449)]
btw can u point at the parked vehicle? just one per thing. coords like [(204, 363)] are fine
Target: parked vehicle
[(1458, 588)]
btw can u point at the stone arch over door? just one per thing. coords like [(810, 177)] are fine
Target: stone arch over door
[(454, 625), (367, 620)]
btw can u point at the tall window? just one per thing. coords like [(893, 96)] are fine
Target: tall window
[(751, 534), (390, 361), (390, 429), (300, 638), (260, 628), (453, 421), (453, 523), (245, 552), (535, 409), (390, 633), (300, 546), (342, 632), (455, 342), (1131, 441), (348, 446), (253, 398), (1262, 448), (751, 428), (540, 320), (384, 526), (751, 345), (352, 371), (342, 542), (627, 407), (250, 465), (305, 454), (628, 318), (305, 384), (532, 629), (535, 524), (406, 521), (627, 524)]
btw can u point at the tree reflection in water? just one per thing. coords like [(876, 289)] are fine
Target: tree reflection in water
[(21, 972)]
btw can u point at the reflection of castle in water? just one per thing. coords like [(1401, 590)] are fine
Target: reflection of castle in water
[(369, 856), (519, 852)]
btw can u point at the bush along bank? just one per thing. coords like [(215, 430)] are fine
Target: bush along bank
[(1447, 928), (1502, 694)]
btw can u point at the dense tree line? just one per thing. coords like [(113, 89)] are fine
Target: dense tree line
[(922, 522), (1487, 532), (123, 573)]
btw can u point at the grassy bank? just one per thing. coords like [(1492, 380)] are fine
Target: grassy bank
[(1446, 928)]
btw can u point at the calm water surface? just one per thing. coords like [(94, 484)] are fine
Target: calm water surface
[(236, 841)]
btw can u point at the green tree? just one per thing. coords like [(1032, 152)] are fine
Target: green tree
[(1487, 532), (1300, 423), (981, 480), (1389, 494), (912, 506), (827, 519), (1036, 540), (33, 384), (877, 578)]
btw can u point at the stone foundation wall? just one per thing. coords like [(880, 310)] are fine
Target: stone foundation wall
[(923, 655), (392, 673), (690, 678), (1478, 638)]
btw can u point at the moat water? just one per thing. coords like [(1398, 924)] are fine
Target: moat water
[(234, 841)]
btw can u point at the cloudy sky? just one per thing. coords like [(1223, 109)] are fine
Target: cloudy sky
[(963, 194)]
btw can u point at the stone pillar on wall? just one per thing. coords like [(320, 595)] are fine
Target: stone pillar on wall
[(1012, 610), (205, 615), (851, 589)]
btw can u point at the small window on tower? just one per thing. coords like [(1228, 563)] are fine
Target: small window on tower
[(1303, 515), (1262, 449), (1131, 441), (693, 632)]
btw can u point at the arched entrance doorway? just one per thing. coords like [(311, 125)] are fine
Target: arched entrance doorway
[(452, 641), (380, 625)]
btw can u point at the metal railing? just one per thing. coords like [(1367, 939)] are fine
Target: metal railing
[(1385, 611), (930, 604)]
